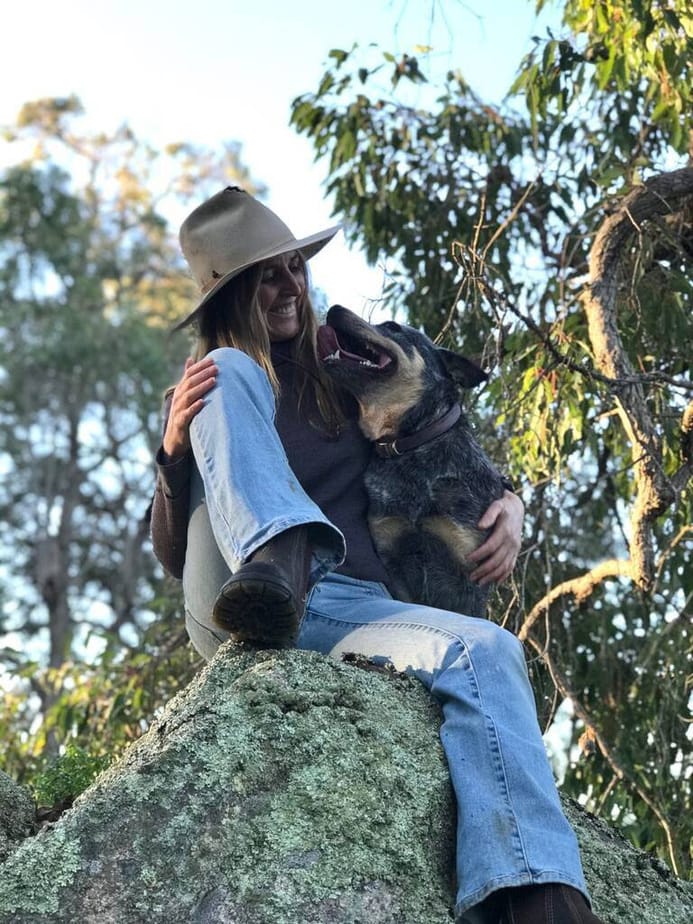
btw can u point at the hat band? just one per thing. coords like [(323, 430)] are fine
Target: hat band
[(274, 250), (204, 289)]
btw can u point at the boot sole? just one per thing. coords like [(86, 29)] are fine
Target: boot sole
[(258, 608)]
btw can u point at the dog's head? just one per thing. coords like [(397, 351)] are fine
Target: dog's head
[(395, 373)]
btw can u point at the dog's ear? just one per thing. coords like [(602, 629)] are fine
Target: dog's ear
[(465, 372)]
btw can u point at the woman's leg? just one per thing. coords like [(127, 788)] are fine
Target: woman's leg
[(205, 572), (250, 500), (251, 493), (511, 829)]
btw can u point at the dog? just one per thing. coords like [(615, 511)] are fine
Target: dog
[(429, 481)]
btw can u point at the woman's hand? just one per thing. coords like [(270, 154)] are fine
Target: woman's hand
[(186, 401), (496, 557)]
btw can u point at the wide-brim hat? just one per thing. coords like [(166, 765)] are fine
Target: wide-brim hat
[(232, 231)]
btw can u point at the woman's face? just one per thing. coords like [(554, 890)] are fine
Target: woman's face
[(282, 287)]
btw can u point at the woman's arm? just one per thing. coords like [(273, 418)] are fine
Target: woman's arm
[(171, 504), (187, 400), (170, 511), (496, 557)]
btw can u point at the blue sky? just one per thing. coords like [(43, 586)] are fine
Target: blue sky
[(208, 71)]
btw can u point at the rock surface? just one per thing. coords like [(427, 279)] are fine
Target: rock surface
[(16, 815), (283, 787)]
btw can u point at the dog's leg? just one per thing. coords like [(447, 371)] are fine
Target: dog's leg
[(460, 540), (458, 594), (387, 533)]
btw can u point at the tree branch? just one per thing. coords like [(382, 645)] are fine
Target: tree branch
[(579, 588), (654, 492), (563, 685)]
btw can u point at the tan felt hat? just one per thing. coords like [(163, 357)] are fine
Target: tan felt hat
[(230, 232)]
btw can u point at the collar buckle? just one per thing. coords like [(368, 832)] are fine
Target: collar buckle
[(387, 449)]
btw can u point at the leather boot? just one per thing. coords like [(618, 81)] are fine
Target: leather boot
[(264, 601), (553, 903)]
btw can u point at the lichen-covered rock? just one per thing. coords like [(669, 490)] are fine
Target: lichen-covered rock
[(16, 815), (283, 787), (278, 787), (627, 886)]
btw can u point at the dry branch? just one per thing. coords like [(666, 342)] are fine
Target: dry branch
[(579, 589), (662, 196)]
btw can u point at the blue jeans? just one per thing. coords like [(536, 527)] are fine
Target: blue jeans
[(511, 830)]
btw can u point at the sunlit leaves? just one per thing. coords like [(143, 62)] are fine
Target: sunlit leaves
[(96, 710), (629, 65), (385, 158), (483, 217), (90, 282)]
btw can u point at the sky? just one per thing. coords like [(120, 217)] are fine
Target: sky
[(210, 72)]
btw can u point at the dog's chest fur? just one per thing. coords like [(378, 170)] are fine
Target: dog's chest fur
[(424, 509)]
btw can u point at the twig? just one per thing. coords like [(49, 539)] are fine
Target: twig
[(585, 369), (562, 684), (580, 588), (509, 220)]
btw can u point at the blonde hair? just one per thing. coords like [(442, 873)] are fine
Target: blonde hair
[(233, 318)]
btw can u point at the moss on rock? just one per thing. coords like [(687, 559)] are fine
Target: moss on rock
[(16, 814), (278, 786), (285, 787), (627, 885)]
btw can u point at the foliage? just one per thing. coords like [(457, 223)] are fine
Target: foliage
[(90, 280), (89, 276), (97, 711), (67, 776), (629, 62), (509, 231)]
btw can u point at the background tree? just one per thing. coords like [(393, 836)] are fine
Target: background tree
[(90, 280), (510, 231)]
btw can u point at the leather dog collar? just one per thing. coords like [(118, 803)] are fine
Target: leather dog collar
[(388, 449)]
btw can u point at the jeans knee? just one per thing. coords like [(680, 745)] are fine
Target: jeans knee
[(508, 641), (490, 638), (233, 360), (235, 365)]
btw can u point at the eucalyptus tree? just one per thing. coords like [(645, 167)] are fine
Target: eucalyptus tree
[(90, 280), (552, 235)]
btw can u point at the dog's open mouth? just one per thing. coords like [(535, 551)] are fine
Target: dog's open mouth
[(350, 350)]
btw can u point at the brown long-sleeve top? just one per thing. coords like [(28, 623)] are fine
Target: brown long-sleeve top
[(330, 470)]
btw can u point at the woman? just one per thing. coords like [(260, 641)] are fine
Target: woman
[(261, 509)]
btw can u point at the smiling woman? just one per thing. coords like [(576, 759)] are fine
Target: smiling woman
[(261, 508), (282, 286)]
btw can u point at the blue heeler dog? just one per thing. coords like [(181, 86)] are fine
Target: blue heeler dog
[(429, 481)]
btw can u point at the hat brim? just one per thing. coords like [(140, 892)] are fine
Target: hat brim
[(307, 246)]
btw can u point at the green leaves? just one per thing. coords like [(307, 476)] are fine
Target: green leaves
[(67, 776), (90, 283), (338, 56), (384, 157), (484, 217), (623, 63), (95, 710)]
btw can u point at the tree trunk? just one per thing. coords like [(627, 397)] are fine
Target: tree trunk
[(660, 197)]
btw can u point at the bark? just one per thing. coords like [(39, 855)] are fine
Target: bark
[(659, 198)]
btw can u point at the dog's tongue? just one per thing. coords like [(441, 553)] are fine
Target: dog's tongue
[(328, 344), (330, 349)]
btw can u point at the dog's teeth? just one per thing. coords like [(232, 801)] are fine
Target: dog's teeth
[(337, 355)]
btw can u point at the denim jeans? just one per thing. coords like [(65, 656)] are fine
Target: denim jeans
[(511, 830)]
